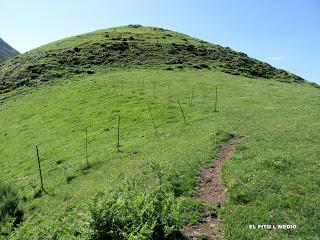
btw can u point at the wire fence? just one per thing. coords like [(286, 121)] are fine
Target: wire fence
[(62, 158)]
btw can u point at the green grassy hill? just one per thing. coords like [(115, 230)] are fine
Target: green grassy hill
[(129, 47), (131, 71)]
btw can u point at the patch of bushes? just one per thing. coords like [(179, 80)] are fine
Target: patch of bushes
[(131, 215), (135, 25), (157, 213), (203, 65), (90, 71), (10, 212), (175, 61), (196, 66), (153, 214), (315, 85)]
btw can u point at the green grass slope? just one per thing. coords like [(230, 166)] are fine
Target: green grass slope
[(129, 47), (271, 179)]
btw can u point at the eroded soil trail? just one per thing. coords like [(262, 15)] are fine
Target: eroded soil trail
[(211, 190)]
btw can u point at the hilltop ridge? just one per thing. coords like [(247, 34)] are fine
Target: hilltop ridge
[(132, 46)]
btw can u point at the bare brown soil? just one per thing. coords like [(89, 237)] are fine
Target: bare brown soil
[(211, 190)]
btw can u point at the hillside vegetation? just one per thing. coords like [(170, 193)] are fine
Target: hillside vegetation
[(134, 180), (129, 47)]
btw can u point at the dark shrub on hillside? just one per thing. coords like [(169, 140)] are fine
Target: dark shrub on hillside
[(90, 71), (175, 61), (10, 213), (203, 65), (196, 66), (9, 202), (135, 25), (168, 69), (315, 85)]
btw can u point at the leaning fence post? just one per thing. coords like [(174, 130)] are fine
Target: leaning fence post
[(154, 125), (184, 118), (40, 173)]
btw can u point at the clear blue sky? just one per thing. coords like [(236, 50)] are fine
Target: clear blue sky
[(284, 33)]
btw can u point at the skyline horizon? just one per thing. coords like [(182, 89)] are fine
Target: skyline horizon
[(282, 34)]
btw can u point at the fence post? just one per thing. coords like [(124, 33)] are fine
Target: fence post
[(191, 99), (142, 86), (118, 140), (184, 118), (154, 125), (40, 173), (154, 88), (132, 86), (87, 161), (216, 102)]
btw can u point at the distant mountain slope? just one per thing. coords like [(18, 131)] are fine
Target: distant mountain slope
[(6, 51), (132, 46)]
